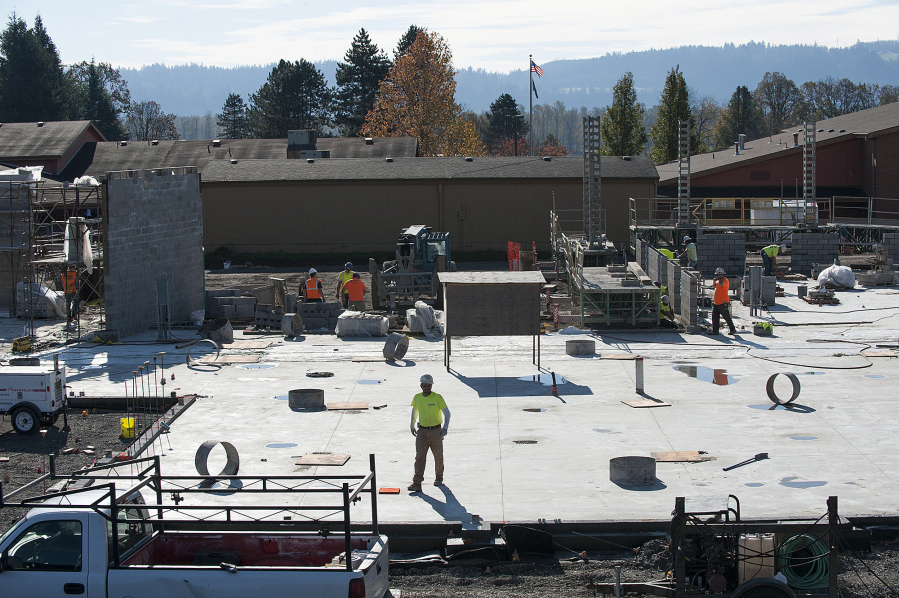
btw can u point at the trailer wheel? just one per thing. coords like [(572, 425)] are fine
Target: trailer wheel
[(24, 421)]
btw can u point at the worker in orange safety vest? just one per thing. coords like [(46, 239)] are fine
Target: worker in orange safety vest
[(312, 288)]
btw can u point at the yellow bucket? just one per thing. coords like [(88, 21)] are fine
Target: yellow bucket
[(127, 427)]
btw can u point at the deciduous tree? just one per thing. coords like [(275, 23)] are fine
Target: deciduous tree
[(551, 147), (233, 119), (417, 99), (779, 99), (147, 121), (358, 81), (740, 116), (623, 133), (674, 106), (295, 96), (32, 83), (99, 94)]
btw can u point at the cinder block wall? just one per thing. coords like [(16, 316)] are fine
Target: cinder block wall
[(674, 282), (807, 249), (891, 240), (154, 229), (641, 247), (656, 266), (721, 250), (689, 298), (14, 236)]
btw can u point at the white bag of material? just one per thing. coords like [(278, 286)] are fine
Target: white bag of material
[(55, 301), (86, 181), (837, 277), (574, 330), (196, 317), (426, 319), (356, 323)]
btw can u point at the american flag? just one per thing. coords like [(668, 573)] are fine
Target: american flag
[(536, 69)]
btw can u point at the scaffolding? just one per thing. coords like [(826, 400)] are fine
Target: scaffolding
[(34, 219), (683, 173)]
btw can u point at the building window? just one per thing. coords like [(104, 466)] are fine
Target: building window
[(759, 175)]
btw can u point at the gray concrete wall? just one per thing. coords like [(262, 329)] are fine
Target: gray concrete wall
[(891, 240), (154, 229), (13, 240), (721, 250), (656, 266), (674, 282), (807, 249), (689, 300)]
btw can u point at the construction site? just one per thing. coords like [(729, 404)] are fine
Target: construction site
[(604, 437)]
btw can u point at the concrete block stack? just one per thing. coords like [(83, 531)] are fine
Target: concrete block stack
[(640, 249), (769, 286), (674, 282), (30, 301), (317, 316), (268, 316), (808, 249), (656, 266), (891, 240), (721, 250), (227, 303), (689, 300)]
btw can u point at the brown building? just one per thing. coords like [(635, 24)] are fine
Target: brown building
[(349, 205), (857, 155), (49, 144)]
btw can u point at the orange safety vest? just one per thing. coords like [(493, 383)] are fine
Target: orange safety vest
[(68, 282), (312, 291), (722, 291), (355, 288)]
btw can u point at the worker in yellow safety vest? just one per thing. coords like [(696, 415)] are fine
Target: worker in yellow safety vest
[(769, 257), (665, 309), (312, 288), (343, 278)]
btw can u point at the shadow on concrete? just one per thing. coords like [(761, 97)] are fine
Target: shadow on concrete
[(451, 509), (533, 386), (658, 485), (402, 363)]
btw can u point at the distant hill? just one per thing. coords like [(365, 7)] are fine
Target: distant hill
[(196, 89)]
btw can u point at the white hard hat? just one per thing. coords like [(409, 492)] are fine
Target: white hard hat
[(348, 265), (719, 271), (665, 299), (686, 239), (312, 271), (427, 379)]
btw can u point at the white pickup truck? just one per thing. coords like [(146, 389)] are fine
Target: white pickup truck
[(99, 543)]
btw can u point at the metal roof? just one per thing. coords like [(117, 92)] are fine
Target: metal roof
[(34, 140), (865, 123), (638, 167)]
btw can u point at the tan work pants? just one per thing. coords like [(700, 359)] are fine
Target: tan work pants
[(428, 439)]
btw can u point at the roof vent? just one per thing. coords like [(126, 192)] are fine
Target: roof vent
[(830, 130), (154, 142), (546, 158), (626, 158), (310, 161), (469, 159), (124, 143), (820, 130), (216, 143), (40, 123), (388, 159), (842, 130), (233, 161), (369, 141)]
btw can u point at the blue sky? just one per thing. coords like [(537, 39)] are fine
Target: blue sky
[(496, 35)]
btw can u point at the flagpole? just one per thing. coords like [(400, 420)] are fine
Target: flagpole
[(530, 105)]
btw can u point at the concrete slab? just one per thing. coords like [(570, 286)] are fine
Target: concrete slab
[(841, 439)]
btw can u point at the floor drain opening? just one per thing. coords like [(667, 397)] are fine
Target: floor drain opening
[(535, 409), (525, 441)]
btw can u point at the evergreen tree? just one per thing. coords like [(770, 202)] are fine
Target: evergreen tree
[(295, 96), (623, 133), (99, 94), (32, 84), (674, 106), (406, 41), (740, 116), (233, 119), (504, 122), (358, 80)]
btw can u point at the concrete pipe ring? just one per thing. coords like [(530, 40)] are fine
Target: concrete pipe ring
[(232, 465), (773, 396), (193, 362)]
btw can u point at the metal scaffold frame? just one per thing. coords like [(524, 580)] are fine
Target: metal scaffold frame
[(683, 173), (35, 217), (594, 227), (809, 171)]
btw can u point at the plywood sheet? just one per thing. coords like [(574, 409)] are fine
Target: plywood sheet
[(619, 356), (492, 309), (368, 359), (249, 344), (318, 459), (646, 403), (347, 406), (879, 353), (677, 457), (229, 359)]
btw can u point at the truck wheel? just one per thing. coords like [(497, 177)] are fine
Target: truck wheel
[(24, 421)]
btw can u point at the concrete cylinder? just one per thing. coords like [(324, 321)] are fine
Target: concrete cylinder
[(632, 471), (802, 290), (580, 347), (306, 398), (396, 346), (292, 324)]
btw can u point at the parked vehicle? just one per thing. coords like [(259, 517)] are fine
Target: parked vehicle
[(32, 396), (99, 541)]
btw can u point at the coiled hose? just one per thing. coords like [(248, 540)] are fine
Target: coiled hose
[(803, 560)]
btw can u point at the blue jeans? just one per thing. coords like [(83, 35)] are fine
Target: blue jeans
[(766, 262)]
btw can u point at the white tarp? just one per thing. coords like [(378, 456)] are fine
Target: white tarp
[(356, 323), (837, 277), (426, 319), (86, 181)]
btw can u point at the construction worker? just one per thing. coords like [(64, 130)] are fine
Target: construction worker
[(343, 278), (665, 309), (722, 302), (769, 257), (355, 291), (433, 424), (312, 288), (667, 253), (70, 290), (689, 252)]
